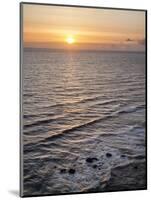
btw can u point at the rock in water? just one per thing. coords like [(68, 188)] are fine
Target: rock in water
[(94, 166), (62, 171), (72, 171), (90, 160), (108, 155)]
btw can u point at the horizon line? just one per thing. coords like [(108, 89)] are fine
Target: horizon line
[(86, 50)]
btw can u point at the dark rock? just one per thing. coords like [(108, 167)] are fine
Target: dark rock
[(72, 171), (108, 155), (125, 177), (94, 166), (90, 160), (135, 167), (62, 171)]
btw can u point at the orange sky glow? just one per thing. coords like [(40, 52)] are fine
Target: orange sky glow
[(59, 27)]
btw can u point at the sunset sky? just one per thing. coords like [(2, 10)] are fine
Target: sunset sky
[(83, 28)]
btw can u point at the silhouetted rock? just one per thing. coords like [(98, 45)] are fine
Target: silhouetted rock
[(108, 155), (72, 171), (94, 166), (123, 156), (62, 171), (136, 167), (90, 160)]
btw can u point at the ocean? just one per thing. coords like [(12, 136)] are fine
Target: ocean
[(83, 115)]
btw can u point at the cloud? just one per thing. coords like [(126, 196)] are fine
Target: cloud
[(129, 40), (140, 41)]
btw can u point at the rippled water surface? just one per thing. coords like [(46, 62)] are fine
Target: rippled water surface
[(79, 105)]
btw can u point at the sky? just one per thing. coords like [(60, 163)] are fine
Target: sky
[(59, 27)]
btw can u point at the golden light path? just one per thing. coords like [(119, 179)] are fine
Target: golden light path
[(70, 40)]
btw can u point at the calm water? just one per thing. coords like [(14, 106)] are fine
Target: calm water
[(78, 105)]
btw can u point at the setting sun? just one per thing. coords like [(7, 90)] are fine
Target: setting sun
[(70, 40)]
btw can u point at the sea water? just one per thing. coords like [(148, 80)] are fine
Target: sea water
[(79, 105)]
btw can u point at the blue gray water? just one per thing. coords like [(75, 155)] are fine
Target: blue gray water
[(78, 105)]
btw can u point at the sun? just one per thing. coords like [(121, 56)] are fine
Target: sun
[(70, 40)]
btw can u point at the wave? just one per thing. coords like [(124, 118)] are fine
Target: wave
[(46, 121), (114, 114), (86, 124), (89, 99), (42, 122), (26, 116), (75, 102), (70, 130), (83, 125), (78, 127), (131, 109)]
